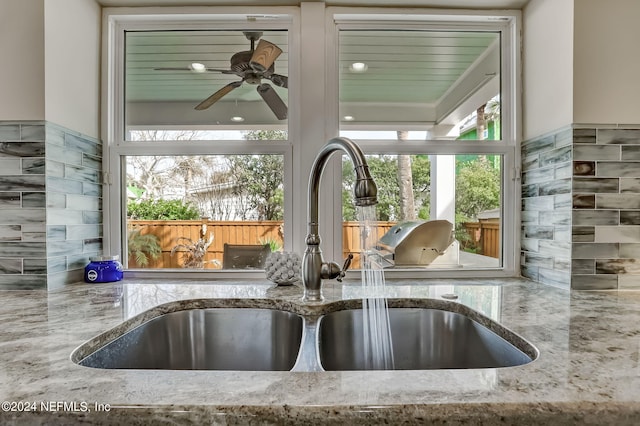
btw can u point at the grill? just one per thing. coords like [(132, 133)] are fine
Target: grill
[(416, 243)]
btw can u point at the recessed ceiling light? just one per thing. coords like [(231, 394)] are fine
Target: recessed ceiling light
[(358, 67), (197, 67), (237, 119), (348, 118)]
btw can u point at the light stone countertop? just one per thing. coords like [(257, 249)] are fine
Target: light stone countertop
[(588, 371)]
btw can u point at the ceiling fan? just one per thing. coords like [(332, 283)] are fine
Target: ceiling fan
[(251, 66)]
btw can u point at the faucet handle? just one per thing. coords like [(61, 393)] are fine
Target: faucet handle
[(347, 263)]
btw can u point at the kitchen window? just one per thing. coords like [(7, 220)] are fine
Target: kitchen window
[(428, 95)]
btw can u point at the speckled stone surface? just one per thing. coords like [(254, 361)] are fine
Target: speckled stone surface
[(588, 371)]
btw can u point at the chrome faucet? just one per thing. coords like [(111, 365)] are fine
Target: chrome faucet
[(314, 268)]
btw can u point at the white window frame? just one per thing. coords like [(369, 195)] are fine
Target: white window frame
[(116, 21), (313, 115), (507, 23)]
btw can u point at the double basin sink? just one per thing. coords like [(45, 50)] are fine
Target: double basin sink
[(263, 335)]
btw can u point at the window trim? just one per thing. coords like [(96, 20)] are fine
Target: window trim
[(116, 21), (507, 23)]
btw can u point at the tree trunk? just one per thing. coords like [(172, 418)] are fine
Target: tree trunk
[(405, 182), (481, 122)]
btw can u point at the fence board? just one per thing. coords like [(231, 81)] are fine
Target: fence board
[(231, 232)]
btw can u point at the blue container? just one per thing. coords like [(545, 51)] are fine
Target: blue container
[(103, 269)]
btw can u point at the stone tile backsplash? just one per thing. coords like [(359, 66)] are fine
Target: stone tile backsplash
[(50, 204), (604, 244)]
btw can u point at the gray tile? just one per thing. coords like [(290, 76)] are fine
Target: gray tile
[(529, 244), (628, 282), (65, 186), (63, 156), (10, 232), (54, 136), (629, 217), (539, 232), (564, 137), (618, 201), (92, 245), (56, 232), (64, 217), (534, 259), (92, 189), (559, 186), (529, 191), (617, 234), (34, 236), (22, 183), (555, 218), (594, 184), (630, 251), (34, 266), (554, 277), (23, 282), (56, 200), (83, 232), (562, 264), (57, 264), (630, 152), (564, 170), (33, 166), (594, 282), (10, 166), (34, 200), (583, 266), (82, 144), (9, 199), (558, 155), (544, 174), (32, 132), (54, 169), (584, 135), (21, 149), (618, 266), (617, 169), (594, 250), (83, 174), (21, 216), (9, 132), (21, 249), (562, 234), (596, 152), (82, 202), (630, 185), (583, 234), (92, 161), (64, 248), (538, 203), (91, 217), (562, 202), (595, 217), (618, 136), (537, 145), (531, 162), (555, 249), (530, 272)]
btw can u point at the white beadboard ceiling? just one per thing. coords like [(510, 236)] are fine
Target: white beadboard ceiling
[(421, 76)]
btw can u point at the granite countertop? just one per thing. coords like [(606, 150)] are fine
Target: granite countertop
[(588, 371)]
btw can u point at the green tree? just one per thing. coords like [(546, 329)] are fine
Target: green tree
[(477, 189), (161, 209)]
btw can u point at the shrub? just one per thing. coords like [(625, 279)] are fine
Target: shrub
[(161, 210)]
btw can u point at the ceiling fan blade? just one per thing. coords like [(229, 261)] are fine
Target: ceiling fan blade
[(264, 56), (218, 95), (279, 80), (272, 99), (196, 71)]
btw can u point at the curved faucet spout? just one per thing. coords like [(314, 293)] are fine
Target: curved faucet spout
[(314, 269)]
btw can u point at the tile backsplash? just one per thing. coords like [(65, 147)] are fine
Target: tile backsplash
[(604, 209), (50, 204)]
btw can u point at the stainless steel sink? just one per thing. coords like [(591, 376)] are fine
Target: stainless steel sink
[(422, 339), (253, 339)]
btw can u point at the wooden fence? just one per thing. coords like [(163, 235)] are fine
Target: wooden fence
[(173, 232), (485, 237)]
